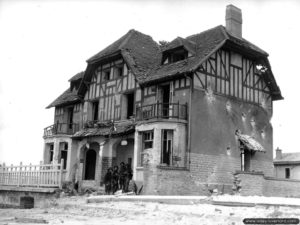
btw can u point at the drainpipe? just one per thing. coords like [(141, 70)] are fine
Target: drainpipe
[(189, 121)]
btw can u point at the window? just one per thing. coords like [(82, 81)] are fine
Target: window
[(64, 153), (287, 173), (167, 147), (127, 110), (147, 139), (118, 71), (174, 55), (130, 105), (95, 108), (106, 75), (51, 147)]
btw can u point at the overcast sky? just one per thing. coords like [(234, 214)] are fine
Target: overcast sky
[(44, 43)]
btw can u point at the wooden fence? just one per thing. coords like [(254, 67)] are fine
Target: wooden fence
[(43, 175)]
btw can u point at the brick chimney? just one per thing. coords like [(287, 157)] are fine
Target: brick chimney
[(234, 20), (278, 153)]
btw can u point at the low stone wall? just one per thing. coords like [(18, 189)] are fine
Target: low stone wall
[(42, 196), (255, 183)]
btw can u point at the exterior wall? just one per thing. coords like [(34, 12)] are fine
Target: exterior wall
[(214, 120), (258, 184), (294, 171), (179, 88), (157, 178), (110, 93), (72, 146), (42, 197)]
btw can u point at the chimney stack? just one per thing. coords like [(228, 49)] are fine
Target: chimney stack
[(278, 153), (234, 20)]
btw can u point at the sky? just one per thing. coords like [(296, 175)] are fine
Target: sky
[(44, 43)]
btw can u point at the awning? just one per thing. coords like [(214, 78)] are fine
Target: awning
[(116, 130), (250, 142)]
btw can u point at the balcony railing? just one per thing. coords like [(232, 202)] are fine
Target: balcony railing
[(162, 111), (61, 128)]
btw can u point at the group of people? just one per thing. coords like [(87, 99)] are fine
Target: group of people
[(119, 179)]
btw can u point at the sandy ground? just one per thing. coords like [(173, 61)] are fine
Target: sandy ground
[(75, 211)]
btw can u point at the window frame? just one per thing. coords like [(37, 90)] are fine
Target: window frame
[(169, 143), (142, 149)]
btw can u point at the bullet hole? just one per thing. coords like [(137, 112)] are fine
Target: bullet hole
[(252, 122), (228, 106), (209, 94), (228, 150), (243, 117), (263, 135)]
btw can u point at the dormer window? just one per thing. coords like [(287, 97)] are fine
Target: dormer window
[(175, 55)]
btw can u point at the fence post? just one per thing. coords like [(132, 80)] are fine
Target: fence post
[(61, 173), (19, 174)]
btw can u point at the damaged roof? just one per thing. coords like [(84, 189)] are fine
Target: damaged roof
[(68, 96), (288, 158), (205, 44), (115, 130), (250, 142), (144, 56), (140, 52), (77, 76)]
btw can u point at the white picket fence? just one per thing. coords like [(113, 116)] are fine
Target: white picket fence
[(43, 175)]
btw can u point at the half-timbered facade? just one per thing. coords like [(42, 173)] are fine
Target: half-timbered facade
[(185, 115)]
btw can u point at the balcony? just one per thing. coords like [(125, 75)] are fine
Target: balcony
[(61, 128), (162, 111)]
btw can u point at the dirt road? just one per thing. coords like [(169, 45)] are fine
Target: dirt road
[(76, 211)]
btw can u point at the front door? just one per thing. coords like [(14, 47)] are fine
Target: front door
[(90, 164)]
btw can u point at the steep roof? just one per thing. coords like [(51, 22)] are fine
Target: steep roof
[(179, 41), (140, 52), (77, 76), (288, 158), (206, 43), (138, 49), (144, 56), (68, 96)]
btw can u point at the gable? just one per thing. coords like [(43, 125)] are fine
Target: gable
[(232, 74)]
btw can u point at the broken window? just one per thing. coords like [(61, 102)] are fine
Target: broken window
[(147, 143), (127, 106), (64, 153), (70, 117), (167, 147), (287, 173), (95, 108), (106, 75), (118, 71), (51, 148), (175, 55)]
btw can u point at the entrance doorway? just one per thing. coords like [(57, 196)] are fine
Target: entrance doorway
[(124, 153), (90, 164)]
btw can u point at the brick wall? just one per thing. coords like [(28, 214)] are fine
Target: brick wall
[(106, 163), (206, 172), (254, 183)]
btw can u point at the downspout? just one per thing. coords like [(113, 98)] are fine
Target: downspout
[(188, 163)]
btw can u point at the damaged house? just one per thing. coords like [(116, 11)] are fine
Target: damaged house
[(185, 115)]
